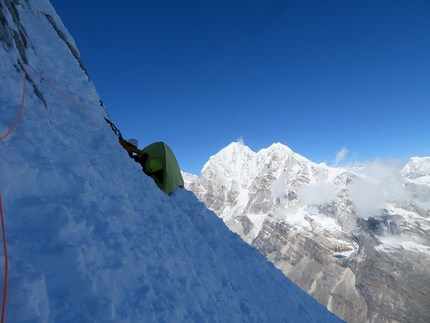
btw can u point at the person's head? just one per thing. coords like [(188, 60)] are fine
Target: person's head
[(133, 142)]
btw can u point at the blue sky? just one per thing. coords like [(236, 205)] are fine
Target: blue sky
[(317, 76)]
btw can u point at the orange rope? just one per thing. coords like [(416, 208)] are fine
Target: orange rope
[(6, 260), (23, 96), (61, 93), (22, 105), (6, 264)]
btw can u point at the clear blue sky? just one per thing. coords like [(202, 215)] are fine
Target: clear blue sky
[(317, 76)]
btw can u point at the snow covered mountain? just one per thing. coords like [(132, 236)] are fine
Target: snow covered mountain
[(418, 169), (89, 237), (355, 239)]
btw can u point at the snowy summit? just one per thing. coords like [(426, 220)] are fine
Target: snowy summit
[(91, 238)]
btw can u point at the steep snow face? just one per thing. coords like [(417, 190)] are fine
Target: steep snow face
[(418, 170), (233, 162), (90, 238), (333, 231)]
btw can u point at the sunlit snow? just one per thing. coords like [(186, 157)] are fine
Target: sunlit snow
[(90, 237)]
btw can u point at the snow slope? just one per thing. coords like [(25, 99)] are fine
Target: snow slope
[(90, 238)]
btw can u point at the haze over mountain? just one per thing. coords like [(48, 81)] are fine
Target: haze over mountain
[(89, 237), (357, 239)]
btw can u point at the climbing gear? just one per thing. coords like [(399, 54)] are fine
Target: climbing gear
[(155, 165), (104, 108), (133, 142), (115, 129)]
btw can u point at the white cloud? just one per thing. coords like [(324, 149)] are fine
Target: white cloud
[(241, 141), (279, 187), (340, 156), (377, 183), (320, 193)]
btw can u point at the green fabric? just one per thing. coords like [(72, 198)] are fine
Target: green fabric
[(155, 165), (172, 178)]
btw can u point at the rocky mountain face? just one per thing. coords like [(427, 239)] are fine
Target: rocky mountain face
[(356, 239)]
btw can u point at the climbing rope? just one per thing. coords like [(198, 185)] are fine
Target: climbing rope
[(23, 96), (61, 93), (6, 261), (6, 264), (22, 105)]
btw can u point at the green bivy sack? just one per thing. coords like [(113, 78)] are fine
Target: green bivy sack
[(163, 167)]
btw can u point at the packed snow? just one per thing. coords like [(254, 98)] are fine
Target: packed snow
[(90, 238)]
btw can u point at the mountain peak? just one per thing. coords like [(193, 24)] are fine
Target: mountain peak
[(236, 147), (278, 145), (417, 167)]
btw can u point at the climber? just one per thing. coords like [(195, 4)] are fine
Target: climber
[(152, 168), (138, 155), (158, 162)]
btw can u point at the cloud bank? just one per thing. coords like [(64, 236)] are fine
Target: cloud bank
[(377, 182), (320, 193), (374, 184)]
